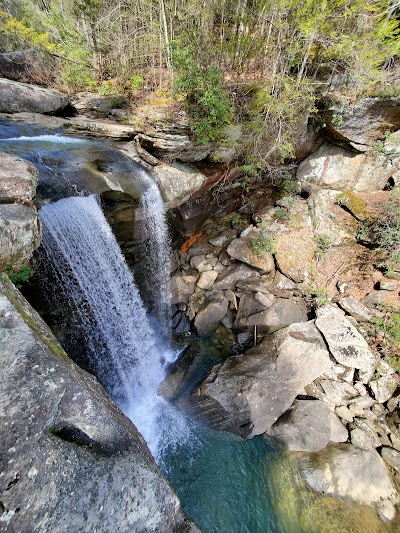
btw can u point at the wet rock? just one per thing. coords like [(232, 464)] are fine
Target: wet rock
[(384, 387), (177, 184), (242, 250), (346, 345), (356, 475), (20, 234), (18, 179), (280, 314), (355, 308), (249, 392), (180, 291), (64, 440), (208, 318), (333, 167), (18, 97), (308, 426)]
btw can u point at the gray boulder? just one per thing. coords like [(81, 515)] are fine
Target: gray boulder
[(242, 250), (358, 476), (18, 97), (177, 184), (20, 234), (208, 318), (346, 345), (364, 122), (70, 459), (355, 308), (308, 426), (249, 392), (333, 167), (18, 179), (233, 274), (281, 313)]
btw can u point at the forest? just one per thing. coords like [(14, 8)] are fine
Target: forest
[(265, 65)]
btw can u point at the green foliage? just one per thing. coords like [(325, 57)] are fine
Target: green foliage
[(281, 213), (236, 221), (383, 229), (263, 244), (19, 276), (107, 88), (135, 83), (205, 96), (316, 296), (323, 243), (387, 334), (337, 119)]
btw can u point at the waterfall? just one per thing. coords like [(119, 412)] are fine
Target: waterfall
[(157, 259), (129, 357)]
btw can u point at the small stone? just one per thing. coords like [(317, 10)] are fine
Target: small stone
[(265, 300), (388, 285), (361, 389), (219, 267), (362, 436), (365, 402), (206, 280), (342, 286), (378, 409), (246, 231), (343, 412), (392, 275), (355, 308), (393, 404), (242, 338), (386, 510), (218, 241), (338, 392), (383, 388), (200, 263), (395, 440)]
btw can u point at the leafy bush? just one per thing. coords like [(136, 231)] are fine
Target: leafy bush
[(383, 229), (263, 244), (19, 276), (323, 242), (203, 88)]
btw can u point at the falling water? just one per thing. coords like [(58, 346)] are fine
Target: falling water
[(130, 362)]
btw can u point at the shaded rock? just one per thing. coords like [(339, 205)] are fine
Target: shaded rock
[(232, 274), (355, 308), (337, 392), (22, 65), (64, 440), (242, 250), (280, 314), (102, 128), (249, 306), (333, 167), (346, 345), (18, 179), (260, 284), (20, 234), (325, 219), (391, 457), (177, 184), (208, 318), (280, 281), (344, 413), (307, 426), (18, 97), (249, 392), (364, 122), (174, 145), (344, 471), (384, 387)]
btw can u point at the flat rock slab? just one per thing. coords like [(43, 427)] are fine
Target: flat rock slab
[(18, 97), (70, 459), (208, 318), (346, 345), (308, 425), (355, 308), (249, 392), (242, 249), (343, 471), (18, 179)]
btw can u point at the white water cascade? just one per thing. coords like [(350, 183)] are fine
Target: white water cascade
[(129, 356)]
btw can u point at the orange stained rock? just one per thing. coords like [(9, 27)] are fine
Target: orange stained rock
[(191, 240)]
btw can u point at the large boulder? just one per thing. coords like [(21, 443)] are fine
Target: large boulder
[(18, 179), (345, 343), (22, 65), (20, 234), (174, 143), (69, 458), (210, 315), (243, 250), (249, 392), (177, 183), (333, 167), (356, 475), (308, 426), (18, 97), (364, 122)]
